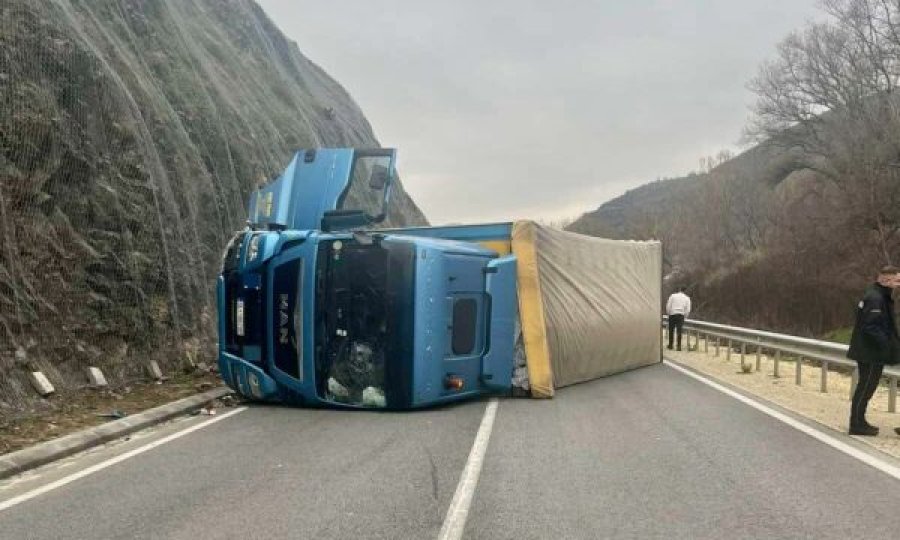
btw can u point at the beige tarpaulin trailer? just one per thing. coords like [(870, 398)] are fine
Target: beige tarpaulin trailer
[(589, 307)]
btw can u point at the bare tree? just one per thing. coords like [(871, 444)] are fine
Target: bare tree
[(831, 92)]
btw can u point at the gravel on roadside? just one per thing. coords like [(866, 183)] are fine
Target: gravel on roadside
[(831, 408)]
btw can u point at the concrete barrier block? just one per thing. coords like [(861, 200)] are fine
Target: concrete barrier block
[(40, 383), (153, 369), (96, 377)]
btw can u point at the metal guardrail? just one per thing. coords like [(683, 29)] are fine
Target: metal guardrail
[(826, 353)]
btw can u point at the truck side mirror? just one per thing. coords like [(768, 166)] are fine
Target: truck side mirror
[(379, 177)]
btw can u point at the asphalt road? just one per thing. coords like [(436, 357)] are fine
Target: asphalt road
[(647, 454)]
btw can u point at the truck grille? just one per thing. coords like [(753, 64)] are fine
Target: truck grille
[(287, 319)]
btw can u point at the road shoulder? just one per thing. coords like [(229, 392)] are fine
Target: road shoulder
[(829, 409), (49, 451)]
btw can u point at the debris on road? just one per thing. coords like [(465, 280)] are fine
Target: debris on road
[(337, 390), (115, 413), (229, 401), (203, 386), (373, 397)]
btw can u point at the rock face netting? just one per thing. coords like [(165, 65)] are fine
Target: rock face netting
[(131, 135)]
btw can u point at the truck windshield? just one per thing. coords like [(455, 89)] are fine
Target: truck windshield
[(361, 327), (368, 182)]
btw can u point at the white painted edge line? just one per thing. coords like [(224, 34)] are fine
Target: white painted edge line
[(821, 436), (9, 503), (458, 512)]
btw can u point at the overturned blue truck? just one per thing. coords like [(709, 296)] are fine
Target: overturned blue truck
[(319, 307)]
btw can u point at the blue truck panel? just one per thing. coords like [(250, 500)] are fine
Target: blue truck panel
[(299, 198), (466, 233), (500, 287)]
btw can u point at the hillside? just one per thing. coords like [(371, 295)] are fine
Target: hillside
[(131, 134), (763, 167), (761, 239), (623, 216)]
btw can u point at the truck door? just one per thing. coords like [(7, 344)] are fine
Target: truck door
[(327, 188), (500, 286)]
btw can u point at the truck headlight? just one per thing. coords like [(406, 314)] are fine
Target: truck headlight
[(253, 247), (239, 317)]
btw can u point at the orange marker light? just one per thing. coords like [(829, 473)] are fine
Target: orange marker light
[(452, 382)]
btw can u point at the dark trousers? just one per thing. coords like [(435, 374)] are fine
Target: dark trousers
[(869, 377), (676, 323)]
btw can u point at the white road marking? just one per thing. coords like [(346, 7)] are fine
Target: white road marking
[(837, 444), (9, 503), (455, 521)]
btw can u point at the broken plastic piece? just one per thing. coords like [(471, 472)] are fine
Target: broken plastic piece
[(337, 389), (373, 397), (115, 413)]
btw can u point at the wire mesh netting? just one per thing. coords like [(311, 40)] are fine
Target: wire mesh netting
[(131, 134)]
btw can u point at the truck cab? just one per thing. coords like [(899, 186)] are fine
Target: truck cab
[(317, 307)]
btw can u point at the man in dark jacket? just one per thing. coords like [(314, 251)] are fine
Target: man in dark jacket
[(874, 344)]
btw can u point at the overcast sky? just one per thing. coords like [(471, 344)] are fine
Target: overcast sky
[(505, 109)]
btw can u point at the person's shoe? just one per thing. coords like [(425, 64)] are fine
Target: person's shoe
[(669, 347), (864, 430)]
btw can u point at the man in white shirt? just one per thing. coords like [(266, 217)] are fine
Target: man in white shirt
[(678, 308)]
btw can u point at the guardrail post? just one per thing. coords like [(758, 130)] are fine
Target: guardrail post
[(892, 395), (854, 380), (777, 360), (717, 346), (743, 352), (705, 343), (823, 385), (798, 376), (758, 351), (728, 351)]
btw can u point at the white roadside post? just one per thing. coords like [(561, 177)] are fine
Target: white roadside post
[(153, 369), (892, 395), (40, 383), (95, 377), (758, 353)]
